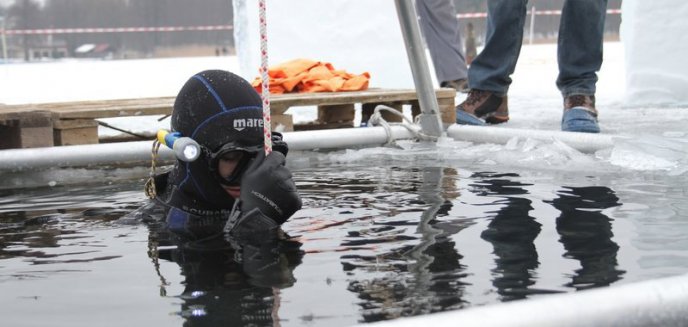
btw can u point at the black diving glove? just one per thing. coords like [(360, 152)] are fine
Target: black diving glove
[(278, 143), (267, 186)]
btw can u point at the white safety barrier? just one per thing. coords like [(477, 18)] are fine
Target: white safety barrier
[(660, 302)]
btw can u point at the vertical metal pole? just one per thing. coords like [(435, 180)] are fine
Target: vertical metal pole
[(430, 121), (532, 24), (4, 40)]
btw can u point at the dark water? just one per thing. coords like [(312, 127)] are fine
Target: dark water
[(373, 242)]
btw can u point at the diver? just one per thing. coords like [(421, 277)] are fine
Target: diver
[(217, 212), (232, 188)]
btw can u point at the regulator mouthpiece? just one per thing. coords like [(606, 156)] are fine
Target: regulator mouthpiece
[(185, 148)]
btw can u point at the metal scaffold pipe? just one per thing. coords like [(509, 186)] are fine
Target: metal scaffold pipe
[(583, 142), (139, 153), (429, 118)]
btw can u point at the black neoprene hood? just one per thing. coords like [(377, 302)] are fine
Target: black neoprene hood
[(217, 107), (219, 110)]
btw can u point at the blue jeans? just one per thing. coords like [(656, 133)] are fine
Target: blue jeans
[(580, 41)]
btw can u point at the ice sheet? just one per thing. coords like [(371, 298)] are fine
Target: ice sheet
[(656, 51)]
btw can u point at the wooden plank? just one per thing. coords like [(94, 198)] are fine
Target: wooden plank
[(145, 107), (29, 130), (96, 109), (75, 131), (367, 110), (277, 108), (340, 113), (316, 125), (282, 123), (447, 111), (370, 95), (163, 105), (74, 123), (76, 136)]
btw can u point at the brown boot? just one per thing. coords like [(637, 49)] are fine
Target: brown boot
[(578, 101), (482, 107), (580, 114)]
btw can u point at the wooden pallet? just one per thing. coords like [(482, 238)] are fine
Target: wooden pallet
[(25, 129), (336, 110), (70, 123)]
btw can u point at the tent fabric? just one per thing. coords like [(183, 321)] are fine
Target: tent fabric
[(307, 76)]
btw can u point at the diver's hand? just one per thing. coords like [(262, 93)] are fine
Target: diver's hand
[(278, 143), (267, 185)]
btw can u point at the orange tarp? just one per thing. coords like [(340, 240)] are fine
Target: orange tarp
[(305, 75)]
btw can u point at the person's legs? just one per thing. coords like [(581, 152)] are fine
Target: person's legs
[(489, 76), (580, 46), (440, 28), (492, 68)]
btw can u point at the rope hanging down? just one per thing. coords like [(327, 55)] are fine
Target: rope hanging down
[(267, 134)]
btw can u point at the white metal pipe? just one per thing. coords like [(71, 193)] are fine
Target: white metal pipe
[(583, 142), (659, 302), (129, 153), (90, 155), (344, 138)]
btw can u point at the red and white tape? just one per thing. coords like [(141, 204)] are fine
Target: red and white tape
[(267, 134), (208, 27), (117, 30)]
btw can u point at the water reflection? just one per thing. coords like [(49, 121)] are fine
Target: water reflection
[(423, 272), (57, 228), (584, 231), (511, 232), (228, 282), (410, 241), (586, 234), (426, 273)]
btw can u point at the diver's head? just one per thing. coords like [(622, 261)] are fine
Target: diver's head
[(223, 114)]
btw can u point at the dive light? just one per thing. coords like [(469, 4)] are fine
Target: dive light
[(185, 148)]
